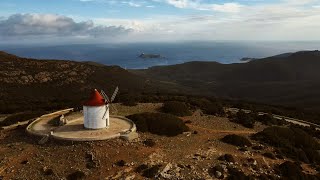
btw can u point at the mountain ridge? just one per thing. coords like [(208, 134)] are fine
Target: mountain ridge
[(292, 80), (33, 84), (285, 80)]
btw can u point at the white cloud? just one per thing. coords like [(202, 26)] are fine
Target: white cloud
[(198, 5), (299, 2), (182, 3), (132, 3), (50, 25), (287, 20), (276, 21), (227, 7)]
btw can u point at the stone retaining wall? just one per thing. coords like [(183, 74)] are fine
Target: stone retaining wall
[(29, 127)]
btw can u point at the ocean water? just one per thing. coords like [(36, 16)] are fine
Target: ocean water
[(126, 55)]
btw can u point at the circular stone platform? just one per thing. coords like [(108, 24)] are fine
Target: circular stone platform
[(74, 130)]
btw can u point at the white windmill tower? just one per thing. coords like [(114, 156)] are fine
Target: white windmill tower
[(96, 110)]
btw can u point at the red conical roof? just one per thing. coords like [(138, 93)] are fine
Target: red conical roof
[(95, 99)]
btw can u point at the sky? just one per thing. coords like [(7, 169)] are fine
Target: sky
[(103, 21)]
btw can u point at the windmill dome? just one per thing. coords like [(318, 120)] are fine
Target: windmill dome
[(96, 112), (95, 99)]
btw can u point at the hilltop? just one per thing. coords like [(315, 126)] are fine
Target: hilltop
[(29, 84), (292, 79)]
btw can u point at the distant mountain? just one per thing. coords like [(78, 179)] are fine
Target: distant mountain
[(126, 55), (288, 79)]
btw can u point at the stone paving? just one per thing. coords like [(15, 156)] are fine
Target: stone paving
[(74, 130)]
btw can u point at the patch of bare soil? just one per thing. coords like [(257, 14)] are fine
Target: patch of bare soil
[(191, 155)]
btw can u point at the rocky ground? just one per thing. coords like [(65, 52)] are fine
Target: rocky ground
[(198, 154)]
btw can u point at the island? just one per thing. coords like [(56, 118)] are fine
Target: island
[(150, 56)]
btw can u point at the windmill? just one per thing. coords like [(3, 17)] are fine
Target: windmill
[(108, 103)]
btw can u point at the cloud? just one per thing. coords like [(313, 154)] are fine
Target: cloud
[(198, 5), (49, 25), (131, 3), (227, 7), (283, 20), (182, 3), (292, 20)]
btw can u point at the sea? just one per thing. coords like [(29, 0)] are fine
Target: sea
[(126, 55)]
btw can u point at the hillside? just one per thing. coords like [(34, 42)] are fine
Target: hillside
[(30, 84), (215, 147), (293, 79), (48, 84)]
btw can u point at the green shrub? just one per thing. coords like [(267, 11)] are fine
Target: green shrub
[(176, 108), (159, 123), (269, 155), (76, 175), (214, 109), (312, 131), (237, 140), (237, 174), (245, 119), (151, 172), (208, 107), (291, 170), (141, 168), (293, 142), (227, 157), (267, 119)]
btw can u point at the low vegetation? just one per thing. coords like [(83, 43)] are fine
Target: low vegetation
[(237, 140), (227, 158), (312, 131), (246, 119), (76, 175), (159, 123), (148, 172), (151, 172), (149, 142), (129, 100), (211, 107), (176, 108), (290, 170), (267, 119), (292, 142), (249, 119)]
